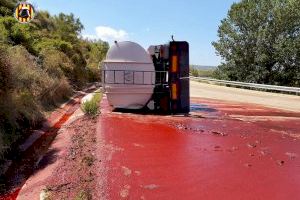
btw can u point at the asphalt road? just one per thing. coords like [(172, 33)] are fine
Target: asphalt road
[(235, 144), (273, 100)]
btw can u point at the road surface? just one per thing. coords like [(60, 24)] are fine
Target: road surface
[(224, 150), (274, 100), (233, 145)]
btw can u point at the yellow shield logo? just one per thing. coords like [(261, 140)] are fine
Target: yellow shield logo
[(24, 12)]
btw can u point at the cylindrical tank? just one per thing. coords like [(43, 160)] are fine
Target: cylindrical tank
[(128, 76)]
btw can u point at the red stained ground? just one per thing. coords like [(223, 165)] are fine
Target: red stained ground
[(52, 125), (222, 151)]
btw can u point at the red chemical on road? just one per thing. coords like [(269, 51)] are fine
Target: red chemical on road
[(11, 196), (221, 151), (22, 169)]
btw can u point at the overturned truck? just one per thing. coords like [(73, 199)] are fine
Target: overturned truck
[(158, 80)]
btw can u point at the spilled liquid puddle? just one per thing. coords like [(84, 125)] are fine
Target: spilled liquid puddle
[(201, 108), (28, 162), (181, 126), (198, 129), (203, 111)]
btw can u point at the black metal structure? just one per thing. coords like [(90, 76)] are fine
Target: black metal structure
[(173, 95), (180, 76)]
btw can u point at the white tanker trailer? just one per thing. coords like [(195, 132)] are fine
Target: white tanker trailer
[(133, 78)]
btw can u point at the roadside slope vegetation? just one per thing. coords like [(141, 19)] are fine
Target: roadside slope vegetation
[(40, 64)]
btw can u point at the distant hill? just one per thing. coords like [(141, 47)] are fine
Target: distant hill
[(203, 67)]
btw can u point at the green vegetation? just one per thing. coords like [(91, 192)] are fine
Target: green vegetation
[(201, 72), (91, 107), (259, 42), (40, 64)]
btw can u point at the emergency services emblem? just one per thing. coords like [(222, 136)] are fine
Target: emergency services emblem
[(24, 12)]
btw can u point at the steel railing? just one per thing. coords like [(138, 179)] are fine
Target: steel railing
[(128, 77), (285, 89)]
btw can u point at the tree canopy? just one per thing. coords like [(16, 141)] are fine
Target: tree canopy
[(259, 41)]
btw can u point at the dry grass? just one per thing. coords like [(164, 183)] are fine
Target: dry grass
[(58, 92), (83, 195), (27, 90)]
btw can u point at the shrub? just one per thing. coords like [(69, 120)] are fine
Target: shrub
[(93, 74), (3, 33), (38, 61), (59, 91), (57, 44), (56, 63), (202, 72), (6, 7), (7, 112), (91, 107), (194, 72), (40, 83), (26, 73)]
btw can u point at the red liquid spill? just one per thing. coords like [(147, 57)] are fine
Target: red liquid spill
[(71, 108), (62, 120), (151, 158), (11, 196)]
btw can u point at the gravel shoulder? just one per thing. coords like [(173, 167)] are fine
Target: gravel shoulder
[(67, 169)]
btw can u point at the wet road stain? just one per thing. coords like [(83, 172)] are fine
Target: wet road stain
[(201, 107)]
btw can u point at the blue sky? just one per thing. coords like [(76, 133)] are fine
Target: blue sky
[(149, 22)]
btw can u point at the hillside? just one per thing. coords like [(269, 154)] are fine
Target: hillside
[(41, 63)]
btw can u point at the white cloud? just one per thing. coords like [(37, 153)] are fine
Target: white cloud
[(107, 33), (89, 37)]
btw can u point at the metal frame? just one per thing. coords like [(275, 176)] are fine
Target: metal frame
[(159, 81)]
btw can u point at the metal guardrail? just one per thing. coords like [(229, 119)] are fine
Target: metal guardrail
[(295, 90)]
